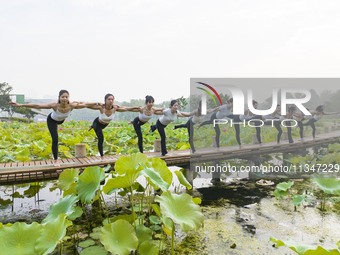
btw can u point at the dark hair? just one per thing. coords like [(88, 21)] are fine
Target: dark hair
[(320, 108), (149, 99), (174, 101), (230, 100), (291, 109), (255, 102), (62, 92)]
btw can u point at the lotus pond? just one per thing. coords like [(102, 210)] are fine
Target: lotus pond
[(239, 216)]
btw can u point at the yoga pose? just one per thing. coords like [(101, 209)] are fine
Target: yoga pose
[(189, 125), (145, 114), (220, 112), (61, 110), (107, 114), (169, 115), (317, 115)]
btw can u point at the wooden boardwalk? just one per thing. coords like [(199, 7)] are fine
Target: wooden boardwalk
[(18, 172)]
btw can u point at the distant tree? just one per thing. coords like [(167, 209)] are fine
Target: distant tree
[(183, 102), (26, 112), (5, 99)]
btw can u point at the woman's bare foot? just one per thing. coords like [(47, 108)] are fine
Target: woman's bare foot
[(56, 162)]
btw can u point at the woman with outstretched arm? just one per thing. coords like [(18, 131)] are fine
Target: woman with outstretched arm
[(61, 110), (169, 115)]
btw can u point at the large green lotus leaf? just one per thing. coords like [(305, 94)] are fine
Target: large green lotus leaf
[(122, 181), (181, 209), (72, 190), (155, 179), (132, 162), (148, 248), (64, 206), (160, 166), (305, 249), (19, 238), (284, 186), (143, 233), (89, 183), (328, 185), (53, 232), (119, 237), (182, 180), (67, 177), (94, 250)]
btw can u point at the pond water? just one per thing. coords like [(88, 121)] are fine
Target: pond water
[(240, 217)]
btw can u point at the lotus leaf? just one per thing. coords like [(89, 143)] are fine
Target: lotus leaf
[(119, 237), (181, 209), (19, 238), (148, 248), (328, 185), (123, 181), (155, 179), (67, 177), (64, 206), (304, 249), (132, 162), (89, 183), (182, 180), (160, 167), (52, 233)]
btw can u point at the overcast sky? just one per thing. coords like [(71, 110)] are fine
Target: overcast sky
[(132, 48)]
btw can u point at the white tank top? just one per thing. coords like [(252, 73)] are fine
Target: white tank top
[(223, 111), (143, 117), (168, 117), (59, 116), (106, 119)]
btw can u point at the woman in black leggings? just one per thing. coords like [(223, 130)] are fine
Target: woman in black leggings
[(317, 115), (169, 115), (221, 112), (189, 125), (146, 112), (106, 115), (61, 110)]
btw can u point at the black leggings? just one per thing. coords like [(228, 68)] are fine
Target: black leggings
[(98, 128), (300, 125), (236, 124), (289, 131), (161, 130), (137, 126), (53, 128), (311, 122), (189, 125), (216, 127), (277, 124), (257, 119)]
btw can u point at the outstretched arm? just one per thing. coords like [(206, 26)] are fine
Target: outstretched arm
[(330, 113), (81, 105), (132, 109), (35, 106), (184, 114)]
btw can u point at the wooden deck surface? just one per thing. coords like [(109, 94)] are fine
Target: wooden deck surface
[(18, 172)]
